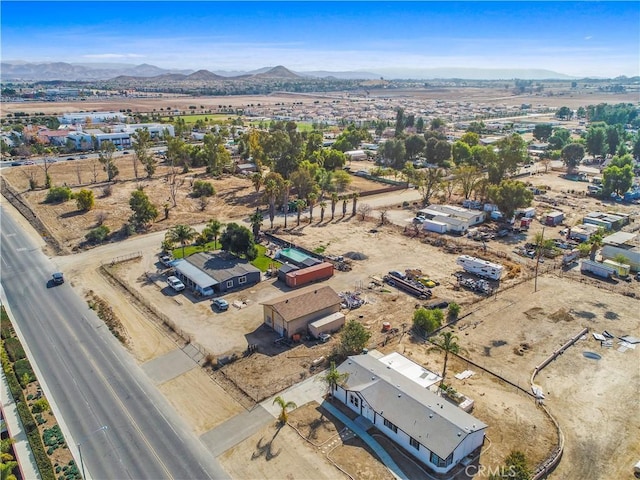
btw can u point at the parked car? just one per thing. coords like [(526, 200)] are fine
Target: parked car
[(83, 157), (221, 304), (16, 164), (71, 158), (397, 274), (125, 153), (324, 337), (166, 260), (58, 278), (175, 283), (361, 173)]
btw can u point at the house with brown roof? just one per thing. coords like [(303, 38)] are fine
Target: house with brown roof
[(291, 314)]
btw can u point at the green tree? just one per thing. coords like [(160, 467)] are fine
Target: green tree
[(470, 138), (141, 145), (419, 125), (182, 234), (414, 146), (342, 180), (303, 182), (461, 152), (273, 184), (323, 207), (509, 196), (354, 208), (334, 202), (58, 195), (255, 219), (257, 180), (284, 407), (617, 180), (614, 135), (512, 151), (572, 155), (300, 206), (85, 200), (564, 113), (202, 188), (399, 122), (213, 230), (515, 467), (237, 239), (449, 343), (596, 141), (467, 177), (542, 131), (354, 338), (426, 321), (98, 234), (143, 210), (311, 201), (334, 379), (394, 152), (105, 156)]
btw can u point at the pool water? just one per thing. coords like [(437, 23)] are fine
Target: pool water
[(293, 254)]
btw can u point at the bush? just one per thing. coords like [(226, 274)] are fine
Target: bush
[(85, 200), (6, 330), (22, 367), (14, 349), (454, 310), (202, 189), (39, 406), (42, 460), (107, 191), (98, 234), (426, 321), (28, 422), (58, 195)]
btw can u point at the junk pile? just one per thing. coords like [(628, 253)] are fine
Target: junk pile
[(351, 300)]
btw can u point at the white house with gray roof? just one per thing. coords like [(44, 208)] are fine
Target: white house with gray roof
[(435, 431)]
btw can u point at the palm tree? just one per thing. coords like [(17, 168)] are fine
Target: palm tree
[(286, 187), (300, 204), (333, 378), (311, 200), (272, 191), (334, 201), (344, 206), (284, 406), (181, 234), (215, 228), (355, 203), (448, 343), (257, 180), (323, 205), (256, 221), (596, 243)]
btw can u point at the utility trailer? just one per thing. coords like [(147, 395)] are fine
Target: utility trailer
[(408, 286), (598, 269)]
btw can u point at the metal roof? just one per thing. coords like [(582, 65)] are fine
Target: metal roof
[(193, 273), (431, 420)]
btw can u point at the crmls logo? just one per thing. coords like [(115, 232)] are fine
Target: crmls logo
[(486, 471)]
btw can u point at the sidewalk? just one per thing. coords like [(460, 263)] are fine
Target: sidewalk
[(24, 455)]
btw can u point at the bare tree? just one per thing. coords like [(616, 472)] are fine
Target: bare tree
[(384, 216), (31, 174), (364, 209), (101, 216), (79, 173), (547, 163), (203, 202), (95, 168), (174, 182), (45, 166)]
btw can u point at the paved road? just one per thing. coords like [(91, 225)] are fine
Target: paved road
[(91, 380)]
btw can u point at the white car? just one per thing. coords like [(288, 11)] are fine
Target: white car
[(175, 283)]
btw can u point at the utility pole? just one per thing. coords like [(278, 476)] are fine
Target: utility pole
[(535, 282)]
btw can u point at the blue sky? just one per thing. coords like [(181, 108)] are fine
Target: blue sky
[(574, 38)]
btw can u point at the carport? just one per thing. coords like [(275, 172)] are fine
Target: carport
[(194, 278)]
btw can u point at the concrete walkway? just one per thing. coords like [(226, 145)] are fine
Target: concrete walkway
[(24, 455), (368, 439)]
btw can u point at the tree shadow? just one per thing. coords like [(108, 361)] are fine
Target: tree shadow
[(611, 315), (266, 450)]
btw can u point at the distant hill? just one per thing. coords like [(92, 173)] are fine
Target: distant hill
[(472, 74), (204, 75), (278, 72)]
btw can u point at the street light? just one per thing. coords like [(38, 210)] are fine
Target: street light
[(86, 437)]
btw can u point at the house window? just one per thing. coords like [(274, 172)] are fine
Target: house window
[(354, 400), (438, 462), (414, 443), (242, 280), (229, 283), (390, 426)]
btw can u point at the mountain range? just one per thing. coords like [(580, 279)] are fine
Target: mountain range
[(24, 71)]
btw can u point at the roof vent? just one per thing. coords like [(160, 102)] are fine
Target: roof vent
[(431, 415), (459, 434), (286, 301), (442, 406), (474, 425), (373, 378), (399, 395)]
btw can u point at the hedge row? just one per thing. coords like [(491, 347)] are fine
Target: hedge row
[(22, 367), (33, 435), (6, 331), (14, 349)]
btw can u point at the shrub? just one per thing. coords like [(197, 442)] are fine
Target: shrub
[(58, 195), (23, 367), (98, 234), (426, 321), (107, 191), (85, 200), (202, 189), (42, 460), (27, 419), (14, 349), (454, 310), (39, 406)]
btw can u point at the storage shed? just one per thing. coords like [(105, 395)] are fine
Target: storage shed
[(304, 276), (434, 226), (329, 324), (285, 269), (553, 218)]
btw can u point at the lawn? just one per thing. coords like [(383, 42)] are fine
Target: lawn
[(261, 262), (302, 126), (210, 118)]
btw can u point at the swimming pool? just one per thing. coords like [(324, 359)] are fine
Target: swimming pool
[(294, 255)]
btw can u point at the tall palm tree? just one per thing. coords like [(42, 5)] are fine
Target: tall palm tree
[(300, 204), (257, 181), (333, 378), (256, 222), (355, 203), (323, 206), (272, 191), (596, 243), (311, 201), (286, 188), (215, 228), (334, 201), (284, 406), (448, 343), (181, 234)]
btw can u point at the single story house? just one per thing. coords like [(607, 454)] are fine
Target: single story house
[(435, 431), (291, 314), (458, 219), (582, 232), (609, 221), (207, 273)]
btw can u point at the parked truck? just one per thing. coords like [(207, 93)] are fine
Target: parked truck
[(598, 269), (479, 267), (570, 257), (414, 288)]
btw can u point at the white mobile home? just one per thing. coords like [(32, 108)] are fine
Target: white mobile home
[(479, 267)]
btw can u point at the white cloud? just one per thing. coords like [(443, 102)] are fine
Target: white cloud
[(588, 37)]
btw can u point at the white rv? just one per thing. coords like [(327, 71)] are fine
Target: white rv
[(479, 267)]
